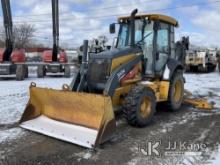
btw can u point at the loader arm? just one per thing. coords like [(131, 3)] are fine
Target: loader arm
[(55, 21), (6, 8)]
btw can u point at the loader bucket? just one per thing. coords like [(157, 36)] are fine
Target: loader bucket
[(80, 118)]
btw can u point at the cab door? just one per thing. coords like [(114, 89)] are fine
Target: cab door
[(162, 47)]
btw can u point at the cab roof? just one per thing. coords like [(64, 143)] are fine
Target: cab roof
[(160, 17)]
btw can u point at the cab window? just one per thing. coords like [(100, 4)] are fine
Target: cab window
[(163, 38)]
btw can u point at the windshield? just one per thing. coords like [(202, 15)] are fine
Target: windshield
[(140, 32)]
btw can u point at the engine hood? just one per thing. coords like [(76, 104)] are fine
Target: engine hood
[(117, 52)]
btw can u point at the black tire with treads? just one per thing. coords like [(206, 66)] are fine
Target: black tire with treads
[(171, 103), (67, 71), (132, 105), (26, 71), (20, 72), (40, 71)]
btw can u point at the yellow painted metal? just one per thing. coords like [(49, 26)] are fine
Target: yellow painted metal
[(145, 107), (116, 62), (117, 99), (159, 17), (164, 90), (178, 91), (83, 109), (160, 88), (200, 103)]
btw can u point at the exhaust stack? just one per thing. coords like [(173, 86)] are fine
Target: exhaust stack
[(132, 19)]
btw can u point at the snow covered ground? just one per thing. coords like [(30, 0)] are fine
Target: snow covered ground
[(14, 97), (204, 85), (14, 94), (216, 156)]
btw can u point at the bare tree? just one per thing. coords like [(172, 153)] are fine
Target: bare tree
[(23, 35)]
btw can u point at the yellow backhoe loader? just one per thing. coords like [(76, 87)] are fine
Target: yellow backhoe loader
[(144, 68)]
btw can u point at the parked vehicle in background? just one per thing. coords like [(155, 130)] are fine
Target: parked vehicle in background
[(201, 60), (190, 60), (55, 60), (95, 45), (12, 61)]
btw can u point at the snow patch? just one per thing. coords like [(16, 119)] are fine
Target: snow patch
[(10, 134), (87, 155), (133, 162), (216, 156), (166, 74), (84, 155), (202, 84), (14, 96)]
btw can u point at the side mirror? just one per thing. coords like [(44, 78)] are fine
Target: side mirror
[(112, 28)]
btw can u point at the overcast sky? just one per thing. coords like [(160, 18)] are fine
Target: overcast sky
[(86, 19)]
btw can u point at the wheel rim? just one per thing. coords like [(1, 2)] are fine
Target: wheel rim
[(145, 107), (177, 94)]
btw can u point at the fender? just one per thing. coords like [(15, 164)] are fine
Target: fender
[(114, 80), (171, 67)]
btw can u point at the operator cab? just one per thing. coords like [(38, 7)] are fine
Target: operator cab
[(147, 41), (154, 34)]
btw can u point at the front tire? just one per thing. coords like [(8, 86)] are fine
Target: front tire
[(139, 106), (176, 91)]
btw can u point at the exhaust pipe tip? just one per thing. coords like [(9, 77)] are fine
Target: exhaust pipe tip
[(134, 12)]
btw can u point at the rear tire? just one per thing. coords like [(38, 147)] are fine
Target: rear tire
[(67, 71), (139, 106), (201, 68), (212, 68), (40, 71), (176, 91), (20, 72)]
